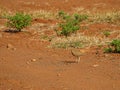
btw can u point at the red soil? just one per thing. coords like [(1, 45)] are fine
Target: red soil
[(67, 5), (28, 64)]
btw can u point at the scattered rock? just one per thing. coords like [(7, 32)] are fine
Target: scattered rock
[(13, 49), (10, 46), (33, 60), (27, 62), (65, 88), (106, 55), (95, 65), (58, 74)]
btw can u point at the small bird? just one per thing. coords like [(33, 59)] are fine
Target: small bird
[(77, 53)]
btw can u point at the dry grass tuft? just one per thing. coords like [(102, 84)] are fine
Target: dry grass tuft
[(109, 17), (43, 14), (78, 41)]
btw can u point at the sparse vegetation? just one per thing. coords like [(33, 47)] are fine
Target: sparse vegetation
[(60, 50), (106, 33), (19, 21), (42, 14), (78, 41), (74, 44), (61, 14), (47, 38), (70, 23), (107, 17), (114, 46)]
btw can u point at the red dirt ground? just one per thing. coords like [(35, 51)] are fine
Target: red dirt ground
[(60, 4), (26, 63)]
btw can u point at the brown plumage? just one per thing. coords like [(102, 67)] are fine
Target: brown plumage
[(77, 53)]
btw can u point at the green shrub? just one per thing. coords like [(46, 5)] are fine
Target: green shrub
[(19, 21), (70, 23), (68, 28), (107, 50), (114, 46), (81, 17), (106, 33), (61, 14)]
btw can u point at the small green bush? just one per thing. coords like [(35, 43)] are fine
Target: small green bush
[(107, 50), (19, 21), (106, 33), (81, 17), (114, 46), (68, 28), (70, 23), (61, 14)]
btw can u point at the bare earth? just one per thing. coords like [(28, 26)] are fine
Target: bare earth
[(26, 62)]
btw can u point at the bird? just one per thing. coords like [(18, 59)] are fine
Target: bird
[(77, 53)]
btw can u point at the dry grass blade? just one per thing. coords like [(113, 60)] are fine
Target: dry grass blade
[(85, 41)]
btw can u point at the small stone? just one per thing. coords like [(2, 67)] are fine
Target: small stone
[(27, 62), (33, 60), (106, 55), (14, 49), (10, 46), (58, 74), (65, 88), (95, 65)]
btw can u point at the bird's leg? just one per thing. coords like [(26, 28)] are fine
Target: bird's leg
[(78, 59)]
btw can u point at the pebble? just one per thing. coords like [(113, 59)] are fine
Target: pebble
[(33, 60), (106, 55), (10, 46), (65, 88), (27, 62), (58, 74), (13, 49), (95, 65)]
